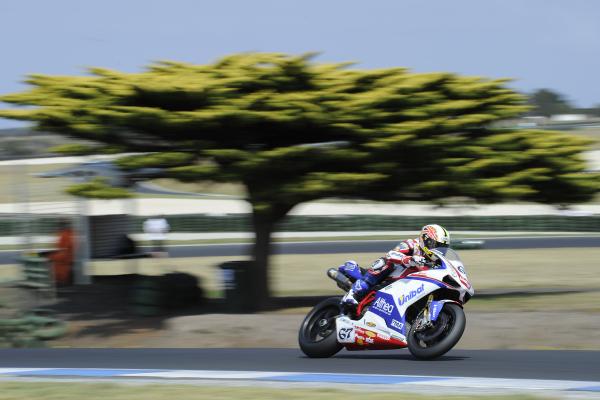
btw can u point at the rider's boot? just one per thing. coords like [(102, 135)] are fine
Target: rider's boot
[(355, 294), (349, 299), (351, 269)]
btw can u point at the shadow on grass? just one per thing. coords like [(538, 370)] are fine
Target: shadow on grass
[(108, 308)]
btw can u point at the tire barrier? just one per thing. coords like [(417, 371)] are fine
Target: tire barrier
[(30, 330), (156, 295)]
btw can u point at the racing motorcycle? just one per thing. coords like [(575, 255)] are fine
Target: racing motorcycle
[(418, 308)]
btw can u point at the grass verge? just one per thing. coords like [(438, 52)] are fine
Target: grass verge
[(557, 302), (300, 274), (102, 391), (304, 274)]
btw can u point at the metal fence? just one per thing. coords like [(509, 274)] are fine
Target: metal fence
[(47, 224)]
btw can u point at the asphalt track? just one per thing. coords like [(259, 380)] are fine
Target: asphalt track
[(516, 364), (373, 246), (352, 247)]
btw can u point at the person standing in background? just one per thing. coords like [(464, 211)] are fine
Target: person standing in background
[(156, 230), (62, 258)]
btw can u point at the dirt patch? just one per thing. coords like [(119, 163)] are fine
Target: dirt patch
[(99, 316)]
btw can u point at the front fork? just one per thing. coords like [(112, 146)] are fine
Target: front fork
[(423, 320)]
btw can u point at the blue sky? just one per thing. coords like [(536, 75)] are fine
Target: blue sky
[(539, 43)]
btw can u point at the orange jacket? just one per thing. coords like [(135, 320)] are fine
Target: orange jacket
[(64, 255)]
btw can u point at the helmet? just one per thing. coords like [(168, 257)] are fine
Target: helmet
[(433, 236)]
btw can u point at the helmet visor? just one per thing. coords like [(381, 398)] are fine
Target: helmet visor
[(432, 244)]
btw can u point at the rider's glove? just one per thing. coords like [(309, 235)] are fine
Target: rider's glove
[(378, 264), (416, 261)]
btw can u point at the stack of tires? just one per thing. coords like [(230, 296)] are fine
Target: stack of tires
[(156, 295), (30, 330)]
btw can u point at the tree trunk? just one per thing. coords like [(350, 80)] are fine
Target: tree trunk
[(263, 227), (264, 222)]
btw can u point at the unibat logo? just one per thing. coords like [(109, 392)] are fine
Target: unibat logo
[(410, 295)]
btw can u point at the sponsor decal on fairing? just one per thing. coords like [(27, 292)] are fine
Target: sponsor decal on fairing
[(434, 309), (397, 324), (367, 338), (410, 295), (383, 306)]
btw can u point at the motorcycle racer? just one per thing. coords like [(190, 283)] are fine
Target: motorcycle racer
[(408, 253)]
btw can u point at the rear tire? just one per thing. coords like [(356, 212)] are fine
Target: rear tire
[(443, 336), (318, 335)]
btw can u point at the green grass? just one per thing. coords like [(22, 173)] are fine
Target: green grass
[(102, 391)]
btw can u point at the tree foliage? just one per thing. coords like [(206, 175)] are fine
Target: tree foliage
[(98, 189), (547, 102), (292, 130)]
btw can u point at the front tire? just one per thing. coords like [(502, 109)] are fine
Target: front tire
[(317, 337), (435, 341)]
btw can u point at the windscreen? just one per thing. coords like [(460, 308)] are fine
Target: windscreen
[(451, 256)]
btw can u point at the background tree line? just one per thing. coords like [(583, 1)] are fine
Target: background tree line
[(547, 102)]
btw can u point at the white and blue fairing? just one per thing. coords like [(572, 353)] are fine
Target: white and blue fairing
[(391, 302), (389, 307)]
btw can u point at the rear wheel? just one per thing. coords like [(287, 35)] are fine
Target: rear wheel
[(317, 336), (439, 338)]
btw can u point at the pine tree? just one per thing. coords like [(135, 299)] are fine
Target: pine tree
[(292, 130)]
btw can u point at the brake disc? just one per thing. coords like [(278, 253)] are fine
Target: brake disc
[(435, 331)]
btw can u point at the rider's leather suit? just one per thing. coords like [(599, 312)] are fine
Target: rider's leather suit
[(406, 254)]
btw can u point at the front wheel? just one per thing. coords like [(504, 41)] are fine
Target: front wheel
[(317, 336), (438, 339)]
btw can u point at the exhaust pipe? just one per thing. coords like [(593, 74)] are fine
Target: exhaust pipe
[(342, 280)]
